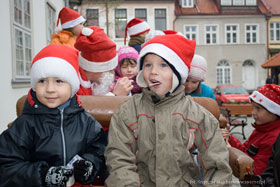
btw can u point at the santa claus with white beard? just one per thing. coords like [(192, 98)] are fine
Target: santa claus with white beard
[(97, 61)]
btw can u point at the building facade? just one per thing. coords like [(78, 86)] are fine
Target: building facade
[(27, 26)]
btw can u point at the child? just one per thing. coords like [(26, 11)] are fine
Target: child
[(193, 84), (71, 23), (137, 30), (152, 135), (127, 67), (52, 129), (266, 112)]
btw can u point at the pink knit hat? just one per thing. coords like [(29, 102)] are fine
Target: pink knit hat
[(198, 68), (125, 52)]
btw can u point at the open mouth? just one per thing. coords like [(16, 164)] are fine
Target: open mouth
[(154, 83)]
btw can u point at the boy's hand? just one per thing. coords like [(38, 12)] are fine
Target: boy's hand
[(123, 87), (58, 176), (225, 134), (84, 171)]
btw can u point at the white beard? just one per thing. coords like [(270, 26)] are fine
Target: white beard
[(106, 83)]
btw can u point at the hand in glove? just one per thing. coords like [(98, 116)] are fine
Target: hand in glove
[(84, 171), (58, 176)]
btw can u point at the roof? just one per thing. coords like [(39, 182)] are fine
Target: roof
[(273, 6), (202, 7), (272, 62)]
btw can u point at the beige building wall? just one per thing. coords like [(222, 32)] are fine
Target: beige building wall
[(109, 20), (235, 54)]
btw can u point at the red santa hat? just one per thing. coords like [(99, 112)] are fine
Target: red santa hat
[(56, 61), (176, 50), (167, 32), (269, 97), (198, 68), (135, 27), (69, 18), (97, 51)]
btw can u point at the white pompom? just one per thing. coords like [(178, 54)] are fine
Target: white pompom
[(87, 31)]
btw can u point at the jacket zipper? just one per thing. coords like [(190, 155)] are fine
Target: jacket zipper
[(63, 137)]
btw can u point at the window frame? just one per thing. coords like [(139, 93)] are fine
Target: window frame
[(232, 32), (257, 33), (26, 59), (115, 22), (155, 18), (274, 29), (211, 33), (188, 3), (50, 30), (146, 14), (191, 33), (98, 13), (223, 68)]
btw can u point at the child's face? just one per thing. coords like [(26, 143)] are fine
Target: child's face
[(157, 74), (77, 29), (191, 85), (261, 115), (129, 69), (53, 92)]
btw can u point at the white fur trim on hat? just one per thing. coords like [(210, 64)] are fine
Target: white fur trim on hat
[(138, 28), (55, 67), (98, 66), (87, 31), (198, 69), (169, 55), (265, 102), (73, 23)]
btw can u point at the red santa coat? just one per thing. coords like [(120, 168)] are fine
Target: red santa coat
[(259, 145)]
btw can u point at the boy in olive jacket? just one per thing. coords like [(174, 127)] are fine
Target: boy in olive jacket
[(152, 135)]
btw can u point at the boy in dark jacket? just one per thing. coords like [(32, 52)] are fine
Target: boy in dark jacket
[(53, 128)]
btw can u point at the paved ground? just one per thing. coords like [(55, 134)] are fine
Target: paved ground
[(248, 130)]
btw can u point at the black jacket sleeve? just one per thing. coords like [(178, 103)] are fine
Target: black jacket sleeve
[(15, 166)]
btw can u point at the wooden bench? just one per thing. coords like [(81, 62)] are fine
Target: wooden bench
[(103, 107)]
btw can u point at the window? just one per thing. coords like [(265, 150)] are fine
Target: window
[(191, 32), (120, 22), (160, 19), (22, 39), (211, 34), (232, 34), (251, 2), (141, 13), (225, 2), (274, 29), (251, 33), (92, 17), (51, 24), (223, 73), (238, 2), (187, 3)]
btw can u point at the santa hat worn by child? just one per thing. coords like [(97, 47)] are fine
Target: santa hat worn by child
[(123, 53), (269, 97), (56, 61), (176, 50), (97, 51), (69, 18), (135, 27), (198, 68)]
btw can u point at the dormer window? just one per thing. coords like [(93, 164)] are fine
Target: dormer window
[(187, 3), (238, 2)]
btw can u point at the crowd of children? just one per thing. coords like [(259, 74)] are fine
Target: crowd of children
[(152, 136)]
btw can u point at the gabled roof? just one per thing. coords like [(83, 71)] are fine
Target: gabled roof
[(273, 6), (272, 62)]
